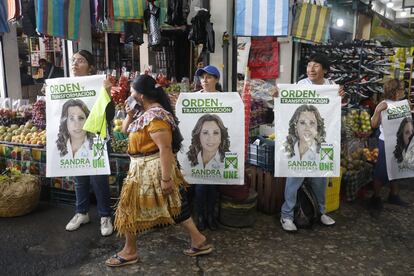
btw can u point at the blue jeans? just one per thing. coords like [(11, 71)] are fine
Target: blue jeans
[(291, 189), (205, 199), (100, 186)]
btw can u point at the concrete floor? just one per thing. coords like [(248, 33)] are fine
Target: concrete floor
[(37, 244)]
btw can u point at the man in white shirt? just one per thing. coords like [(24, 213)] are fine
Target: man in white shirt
[(318, 66)]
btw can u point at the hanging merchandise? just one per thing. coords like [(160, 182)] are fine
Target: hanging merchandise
[(14, 8), (261, 18), (29, 18), (129, 9), (58, 18), (264, 58), (311, 22), (177, 12), (202, 30), (243, 50), (386, 30), (134, 32), (151, 17), (4, 26)]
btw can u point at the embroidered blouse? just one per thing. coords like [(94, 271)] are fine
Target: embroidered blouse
[(152, 120)]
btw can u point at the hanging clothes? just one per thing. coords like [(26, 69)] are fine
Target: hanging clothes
[(4, 25), (58, 18), (14, 8), (202, 30), (151, 17), (134, 32), (177, 12)]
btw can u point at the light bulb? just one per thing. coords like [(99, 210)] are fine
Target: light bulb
[(403, 13), (339, 22), (390, 4)]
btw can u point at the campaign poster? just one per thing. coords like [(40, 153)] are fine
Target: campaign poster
[(397, 124), (308, 131), (71, 151), (212, 125)]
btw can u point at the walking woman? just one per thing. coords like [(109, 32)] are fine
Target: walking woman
[(152, 193)]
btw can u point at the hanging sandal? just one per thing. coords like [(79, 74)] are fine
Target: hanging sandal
[(120, 261), (204, 249)]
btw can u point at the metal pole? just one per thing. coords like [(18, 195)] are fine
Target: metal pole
[(226, 38)]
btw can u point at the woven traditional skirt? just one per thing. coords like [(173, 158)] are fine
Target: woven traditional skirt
[(142, 204)]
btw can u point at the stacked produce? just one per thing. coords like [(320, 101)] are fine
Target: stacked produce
[(119, 146), (23, 134), (10, 116), (359, 122), (371, 155), (39, 114)]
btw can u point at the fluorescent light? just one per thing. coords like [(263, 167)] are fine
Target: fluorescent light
[(390, 4), (339, 22)]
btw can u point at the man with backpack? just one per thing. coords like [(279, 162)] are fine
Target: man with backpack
[(318, 66)]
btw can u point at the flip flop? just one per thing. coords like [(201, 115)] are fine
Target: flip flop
[(194, 251), (121, 261)]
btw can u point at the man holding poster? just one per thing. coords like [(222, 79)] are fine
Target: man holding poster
[(212, 152), (72, 150), (308, 144), (393, 117)]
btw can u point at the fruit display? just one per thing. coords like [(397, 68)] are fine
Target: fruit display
[(117, 123), (119, 146), (23, 134), (371, 155), (359, 122), (173, 88), (10, 116), (39, 114), (354, 161)]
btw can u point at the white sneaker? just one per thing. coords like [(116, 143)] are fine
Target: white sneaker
[(288, 225), (327, 220), (76, 221), (106, 226)]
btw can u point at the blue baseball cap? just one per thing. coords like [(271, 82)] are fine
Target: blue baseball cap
[(209, 69)]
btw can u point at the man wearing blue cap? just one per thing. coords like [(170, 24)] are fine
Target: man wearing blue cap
[(206, 195)]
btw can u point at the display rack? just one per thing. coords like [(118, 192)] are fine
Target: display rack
[(361, 66)]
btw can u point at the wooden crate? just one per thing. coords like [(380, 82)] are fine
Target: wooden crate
[(270, 190)]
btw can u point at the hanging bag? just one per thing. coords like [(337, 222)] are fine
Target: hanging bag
[(311, 21), (306, 209)]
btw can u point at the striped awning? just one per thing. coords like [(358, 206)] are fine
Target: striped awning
[(261, 18)]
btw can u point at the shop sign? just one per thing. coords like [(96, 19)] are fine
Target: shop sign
[(307, 130), (71, 151), (398, 131), (212, 125)]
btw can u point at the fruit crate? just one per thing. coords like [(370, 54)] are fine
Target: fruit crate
[(262, 156)]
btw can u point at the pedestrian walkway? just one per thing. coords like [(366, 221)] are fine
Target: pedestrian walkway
[(37, 244)]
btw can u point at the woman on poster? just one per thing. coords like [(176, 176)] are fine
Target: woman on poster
[(210, 141), (73, 142), (404, 135), (306, 133)]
